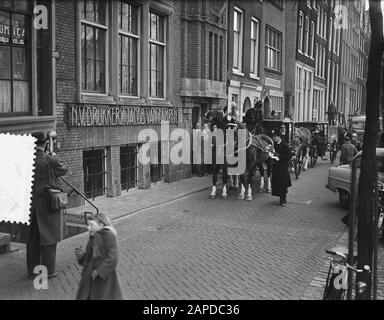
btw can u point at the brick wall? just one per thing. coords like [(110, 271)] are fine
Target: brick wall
[(74, 140)]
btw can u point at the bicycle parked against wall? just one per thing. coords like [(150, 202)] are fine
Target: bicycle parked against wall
[(336, 284)]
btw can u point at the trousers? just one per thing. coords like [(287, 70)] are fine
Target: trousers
[(38, 254)]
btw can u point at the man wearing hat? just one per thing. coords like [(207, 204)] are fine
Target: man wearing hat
[(281, 180), (47, 227)]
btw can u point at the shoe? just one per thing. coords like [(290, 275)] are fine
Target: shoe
[(53, 275), (284, 204)]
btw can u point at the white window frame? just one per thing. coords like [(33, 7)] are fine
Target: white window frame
[(317, 60), (239, 68), (138, 37), (323, 71), (164, 45), (318, 20), (106, 28), (325, 25), (306, 33), (256, 44), (312, 38), (279, 51), (334, 39), (301, 32)]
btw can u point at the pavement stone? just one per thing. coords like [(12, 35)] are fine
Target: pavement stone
[(197, 248)]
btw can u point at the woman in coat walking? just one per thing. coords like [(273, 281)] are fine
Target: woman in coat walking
[(99, 280), (281, 180)]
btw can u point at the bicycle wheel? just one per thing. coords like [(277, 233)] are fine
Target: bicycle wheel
[(298, 163), (333, 156), (331, 293)]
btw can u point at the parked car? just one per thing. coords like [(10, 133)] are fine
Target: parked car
[(357, 124), (339, 178)]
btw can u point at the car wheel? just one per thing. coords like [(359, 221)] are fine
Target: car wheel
[(344, 199)]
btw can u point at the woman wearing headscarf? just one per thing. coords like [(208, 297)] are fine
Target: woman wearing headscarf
[(99, 280)]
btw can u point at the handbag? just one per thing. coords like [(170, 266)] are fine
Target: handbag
[(58, 199)]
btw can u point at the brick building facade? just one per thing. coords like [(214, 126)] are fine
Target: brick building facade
[(256, 55), (354, 48), (116, 77), (203, 56)]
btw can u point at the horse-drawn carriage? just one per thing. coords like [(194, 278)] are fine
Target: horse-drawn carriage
[(318, 144), (287, 129)]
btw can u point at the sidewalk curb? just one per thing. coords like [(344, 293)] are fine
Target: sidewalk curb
[(137, 211)]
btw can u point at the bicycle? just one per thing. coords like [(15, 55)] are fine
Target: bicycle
[(337, 279)]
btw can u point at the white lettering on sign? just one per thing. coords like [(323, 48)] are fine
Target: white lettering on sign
[(41, 19), (83, 116)]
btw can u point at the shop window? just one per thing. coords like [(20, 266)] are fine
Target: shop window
[(94, 173), (93, 45), (157, 169), (15, 57), (157, 47), (128, 48), (128, 164)]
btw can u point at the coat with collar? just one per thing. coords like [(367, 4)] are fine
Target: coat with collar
[(51, 224), (106, 285), (281, 178)]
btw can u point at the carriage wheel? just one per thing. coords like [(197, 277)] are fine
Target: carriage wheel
[(333, 156), (313, 157), (313, 161)]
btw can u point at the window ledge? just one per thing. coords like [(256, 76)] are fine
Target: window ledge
[(159, 102), (129, 100), (237, 72), (273, 71), (253, 76), (26, 119), (96, 98)]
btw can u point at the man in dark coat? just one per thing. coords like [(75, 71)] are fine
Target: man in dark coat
[(281, 180), (47, 227)]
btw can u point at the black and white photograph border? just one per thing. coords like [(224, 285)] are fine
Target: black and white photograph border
[(210, 150)]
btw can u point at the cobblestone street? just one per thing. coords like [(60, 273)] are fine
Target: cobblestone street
[(197, 248)]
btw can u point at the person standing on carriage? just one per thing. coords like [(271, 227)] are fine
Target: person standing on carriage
[(254, 118), (331, 113), (281, 179)]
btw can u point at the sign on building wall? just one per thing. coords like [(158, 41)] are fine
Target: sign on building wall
[(101, 116)]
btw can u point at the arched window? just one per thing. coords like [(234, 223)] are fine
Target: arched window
[(246, 105)]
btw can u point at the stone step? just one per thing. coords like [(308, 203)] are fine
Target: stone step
[(5, 243)]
